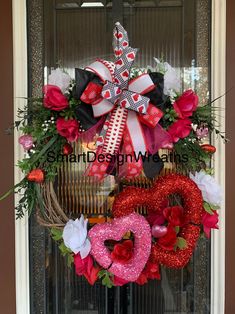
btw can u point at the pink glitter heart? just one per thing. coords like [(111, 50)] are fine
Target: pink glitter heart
[(115, 230)]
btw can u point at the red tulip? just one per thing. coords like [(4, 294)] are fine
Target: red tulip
[(208, 148), (36, 175)]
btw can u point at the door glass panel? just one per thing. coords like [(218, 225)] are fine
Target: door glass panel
[(73, 34)]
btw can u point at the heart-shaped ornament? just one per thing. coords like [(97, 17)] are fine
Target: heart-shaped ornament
[(115, 230), (131, 198)]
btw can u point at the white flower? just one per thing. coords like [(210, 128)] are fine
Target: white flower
[(75, 236), (211, 191), (171, 78), (60, 79)]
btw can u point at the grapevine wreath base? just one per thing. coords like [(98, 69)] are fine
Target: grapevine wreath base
[(131, 247)]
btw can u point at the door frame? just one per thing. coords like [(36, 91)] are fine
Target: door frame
[(218, 58), (20, 85)]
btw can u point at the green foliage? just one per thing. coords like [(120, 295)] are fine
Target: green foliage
[(169, 116), (181, 243), (27, 202), (209, 208), (207, 115), (107, 278), (197, 157), (56, 235), (177, 229)]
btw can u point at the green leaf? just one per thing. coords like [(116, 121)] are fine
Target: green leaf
[(12, 190), (208, 208), (64, 250), (177, 229), (181, 243), (106, 281), (35, 157), (56, 234), (101, 273), (70, 260), (215, 207)]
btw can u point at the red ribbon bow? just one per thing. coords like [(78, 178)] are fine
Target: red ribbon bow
[(114, 99)]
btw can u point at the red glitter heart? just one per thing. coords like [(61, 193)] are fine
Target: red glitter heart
[(131, 198)]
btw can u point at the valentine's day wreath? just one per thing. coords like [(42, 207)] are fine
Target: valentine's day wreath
[(130, 112)]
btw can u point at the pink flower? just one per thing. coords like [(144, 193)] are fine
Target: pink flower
[(210, 222), (68, 129), (54, 98), (180, 129), (186, 104), (26, 141), (202, 132)]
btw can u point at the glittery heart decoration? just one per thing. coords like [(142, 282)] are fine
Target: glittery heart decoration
[(128, 200), (115, 230)]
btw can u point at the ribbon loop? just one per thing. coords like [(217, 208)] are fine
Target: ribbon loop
[(125, 98), (120, 39)]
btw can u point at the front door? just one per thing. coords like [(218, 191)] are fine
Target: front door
[(72, 34)]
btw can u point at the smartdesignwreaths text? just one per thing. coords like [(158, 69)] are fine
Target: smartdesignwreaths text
[(120, 159)]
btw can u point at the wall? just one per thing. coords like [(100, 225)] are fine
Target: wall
[(7, 258)]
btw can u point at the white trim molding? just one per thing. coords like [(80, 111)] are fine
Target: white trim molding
[(218, 65), (20, 91)]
